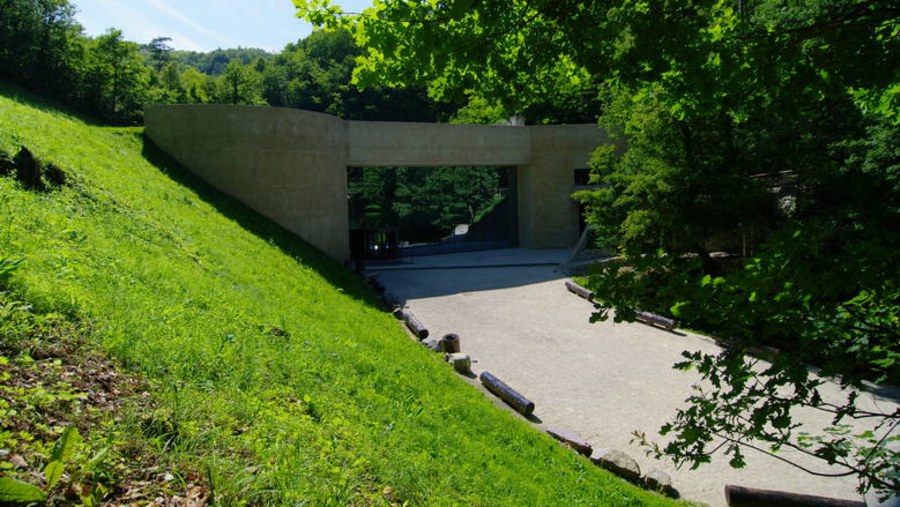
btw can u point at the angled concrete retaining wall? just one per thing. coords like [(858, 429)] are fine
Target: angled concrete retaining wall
[(291, 165)]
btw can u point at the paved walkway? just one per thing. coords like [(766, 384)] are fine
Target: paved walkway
[(516, 319)]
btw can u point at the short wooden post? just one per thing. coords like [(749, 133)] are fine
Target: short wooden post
[(450, 343)]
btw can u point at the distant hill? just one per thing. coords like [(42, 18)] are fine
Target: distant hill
[(214, 62)]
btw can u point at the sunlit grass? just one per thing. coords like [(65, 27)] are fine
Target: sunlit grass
[(279, 373)]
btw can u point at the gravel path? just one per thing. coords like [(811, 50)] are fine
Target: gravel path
[(516, 319)]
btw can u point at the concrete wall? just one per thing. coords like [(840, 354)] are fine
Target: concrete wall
[(286, 164), (291, 165), (548, 217), (398, 144)]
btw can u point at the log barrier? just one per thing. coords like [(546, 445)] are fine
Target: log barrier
[(578, 290), (739, 496), (414, 325), (509, 395), (655, 320)]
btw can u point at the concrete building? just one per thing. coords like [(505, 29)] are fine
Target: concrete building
[(291, 165)]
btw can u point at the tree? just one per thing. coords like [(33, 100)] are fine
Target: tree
[(214, 62), (239, 84), (118, 79), (39, 45), (166, 85), (758, 127), (160, 52), (315, 74), (197, 86), (43, 47)]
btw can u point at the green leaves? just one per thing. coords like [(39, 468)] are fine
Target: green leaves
[(52, 473), (62, 452), (64, 455), (239, 85), (7, 266), (845, 321), (16, 492), (65, 446), (676, 309), (320, 13)]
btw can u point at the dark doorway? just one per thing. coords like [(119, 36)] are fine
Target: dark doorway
[(426, 210), (374, 244)]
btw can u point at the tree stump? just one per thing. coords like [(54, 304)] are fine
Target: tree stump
[(462, 363), (450, 343)]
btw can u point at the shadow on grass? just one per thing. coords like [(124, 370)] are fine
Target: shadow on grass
[(262, 227)]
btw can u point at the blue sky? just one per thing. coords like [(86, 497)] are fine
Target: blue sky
[(202, 25)]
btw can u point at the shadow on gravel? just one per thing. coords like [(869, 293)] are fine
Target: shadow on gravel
[(409, 284)]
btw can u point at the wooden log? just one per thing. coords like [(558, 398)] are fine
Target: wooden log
[(450, 343), (572, 439), (739, 496), (578, 290), (414, 325), (655, 320), (509, 395)]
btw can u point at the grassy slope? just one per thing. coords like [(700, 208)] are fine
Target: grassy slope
[(185, 286)]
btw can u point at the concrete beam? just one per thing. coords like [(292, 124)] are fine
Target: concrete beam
[(398, 144)]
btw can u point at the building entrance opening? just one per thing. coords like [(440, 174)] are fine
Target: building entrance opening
[(400, 212)]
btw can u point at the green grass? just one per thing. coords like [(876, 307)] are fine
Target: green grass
[(278, 372), (53, 384)]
